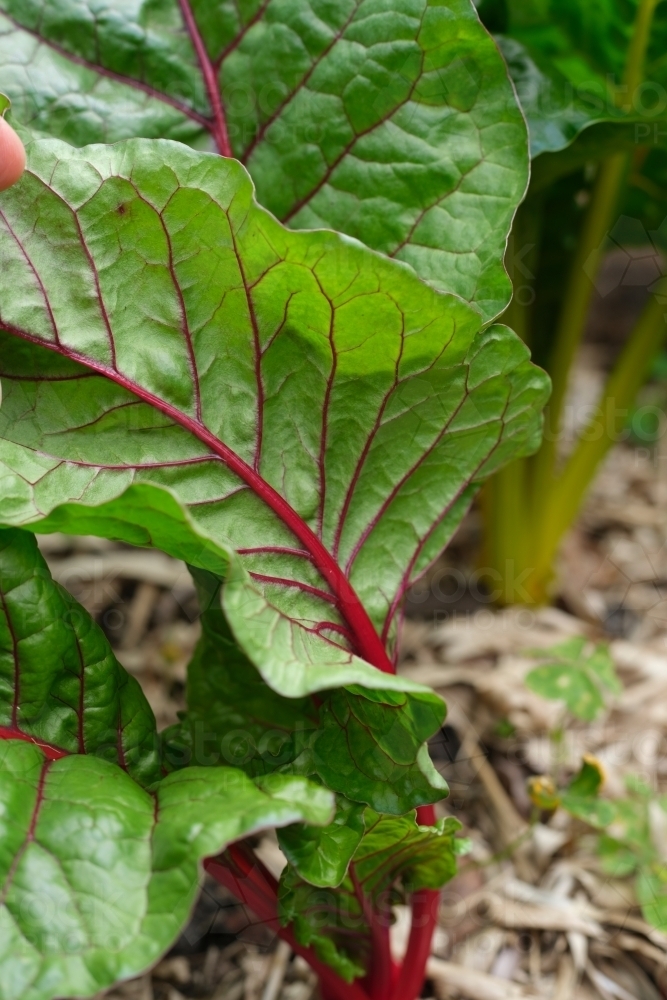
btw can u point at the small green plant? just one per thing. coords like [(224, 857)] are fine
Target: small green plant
[(577, 673), (631, 831), (591, 80), (580, 675)]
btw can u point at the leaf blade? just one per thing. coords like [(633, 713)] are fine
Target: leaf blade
[(61, 686), (120, 870), (395, 857), (222, 281), (356, 741), (382, 124)]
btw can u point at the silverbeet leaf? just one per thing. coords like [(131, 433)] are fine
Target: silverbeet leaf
[(394, 123), (60, 683), (559, 110), (371, 748), (99, 854), (321, 855), (396, 857), (567, 60), (307, 404), (233, 717), (99, 876), (366, 745)]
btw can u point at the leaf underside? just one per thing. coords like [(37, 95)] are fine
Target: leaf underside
[(310, 405), (396, 124)]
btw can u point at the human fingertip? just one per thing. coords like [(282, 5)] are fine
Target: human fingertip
[(12, 156)]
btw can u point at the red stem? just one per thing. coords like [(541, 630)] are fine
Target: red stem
[(219, 127), (248, 879), (381, 973), (424, 921), (368, 642), (50, 751)]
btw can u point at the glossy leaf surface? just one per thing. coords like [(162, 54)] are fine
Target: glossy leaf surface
[(368, 746), (233, 717), (99, 856), (396, 124), (60, 683), (99, 876), (321, 855), (311, 405), (395, 857), (371, 748)]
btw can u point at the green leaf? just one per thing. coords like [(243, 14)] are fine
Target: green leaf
[(624, 820), (592, 810), (142, 515), (321, 855), (567, 59), (578, 677), (99, 876), (593, 145), (60, 683), (652, 895), (557, 111), (367, 746), (589, 779), (422, 857), (396, 857), (631, 826), (562, 682), (233, 716), (601, 664), (5, 105), (616, 859), (571, 650), (396, 124), (305, 401), (370, 747)]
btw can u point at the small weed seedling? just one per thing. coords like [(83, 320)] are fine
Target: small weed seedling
[(632, 830)]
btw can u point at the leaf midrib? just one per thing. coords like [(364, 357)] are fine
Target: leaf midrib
[(210, 78), (30, 833), (128, 81), (368, 643), (50, 750)]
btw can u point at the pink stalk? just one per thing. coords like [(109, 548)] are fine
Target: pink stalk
[(248, 879), (381, 974), (424, 921), (210, 75), (240, 871)]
